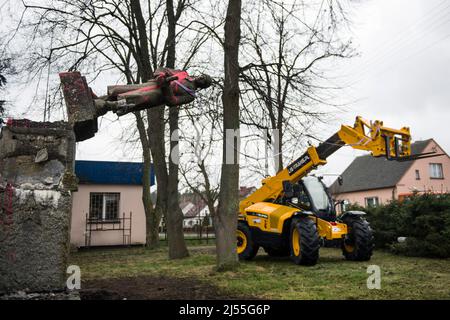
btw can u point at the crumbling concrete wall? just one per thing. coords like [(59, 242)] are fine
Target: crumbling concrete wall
[(36, 180)]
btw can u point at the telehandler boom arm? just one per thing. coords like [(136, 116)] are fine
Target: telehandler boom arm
[(363, 135)]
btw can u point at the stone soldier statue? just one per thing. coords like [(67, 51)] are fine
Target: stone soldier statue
[(169, 87)]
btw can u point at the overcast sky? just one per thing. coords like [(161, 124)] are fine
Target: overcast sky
[(403, 73), (401, 77)]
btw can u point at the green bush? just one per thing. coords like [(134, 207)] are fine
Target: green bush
[(423, 219)]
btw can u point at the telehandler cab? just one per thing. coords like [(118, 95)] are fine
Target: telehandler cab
[(290, 212)]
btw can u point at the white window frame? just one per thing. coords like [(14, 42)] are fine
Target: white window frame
[(436, 171), (376, 202), (104, 196)]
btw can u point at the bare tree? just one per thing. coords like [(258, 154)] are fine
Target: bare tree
[(153, 216), (199, 171), (6, 70), (225, 221), (282, 78), (177, 245)]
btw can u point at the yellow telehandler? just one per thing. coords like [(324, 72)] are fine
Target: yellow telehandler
[(291, 212)]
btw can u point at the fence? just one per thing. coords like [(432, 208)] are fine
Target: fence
[(197, 231), (122, 224)]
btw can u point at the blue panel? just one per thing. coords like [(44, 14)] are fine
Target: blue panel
[(105, 172)]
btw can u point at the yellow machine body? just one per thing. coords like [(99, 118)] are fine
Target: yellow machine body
[(270, 217)]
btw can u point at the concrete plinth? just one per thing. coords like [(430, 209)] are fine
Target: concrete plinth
[(36, 180)]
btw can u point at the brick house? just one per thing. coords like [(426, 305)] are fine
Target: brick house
[(369, 181), (195, 211)]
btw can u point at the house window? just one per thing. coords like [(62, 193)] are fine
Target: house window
[(104, 206), (436, 171), (417, 175), (372, 202), (344, 205)]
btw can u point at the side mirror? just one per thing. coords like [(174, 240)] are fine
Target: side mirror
[(340, 180)]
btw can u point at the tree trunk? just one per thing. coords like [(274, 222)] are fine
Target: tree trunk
[(167, 180), (152, 217), (177, 245), (225, 221), (277, 135), (151, 139), (155, 133), (145, 67)]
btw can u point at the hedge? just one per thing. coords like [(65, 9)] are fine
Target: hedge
[(423, 219)]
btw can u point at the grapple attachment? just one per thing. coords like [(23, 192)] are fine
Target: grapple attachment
[(373, 136)]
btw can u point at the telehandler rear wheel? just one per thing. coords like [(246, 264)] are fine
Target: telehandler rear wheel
[(304, 241), (358, 243), (246, 248)]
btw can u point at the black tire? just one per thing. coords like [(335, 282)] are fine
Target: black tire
[(308, 241), (358, 244), (277, 252), (251, 249)]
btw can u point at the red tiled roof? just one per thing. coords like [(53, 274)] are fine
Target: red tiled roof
[(198, 204)]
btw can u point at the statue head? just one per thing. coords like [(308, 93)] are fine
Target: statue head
[(203, 81)]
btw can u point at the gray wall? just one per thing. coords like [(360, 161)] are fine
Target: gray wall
[(36, 179)]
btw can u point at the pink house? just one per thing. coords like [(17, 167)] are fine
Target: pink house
[(370, 181), (107, 209)]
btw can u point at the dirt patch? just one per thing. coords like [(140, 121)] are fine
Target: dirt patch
[(57, 295), (151, 288)]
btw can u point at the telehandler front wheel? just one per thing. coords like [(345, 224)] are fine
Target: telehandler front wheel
[(246, 248), (304, 241), (358, 243)]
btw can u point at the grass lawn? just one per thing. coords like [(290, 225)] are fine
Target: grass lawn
[(278, 278)]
